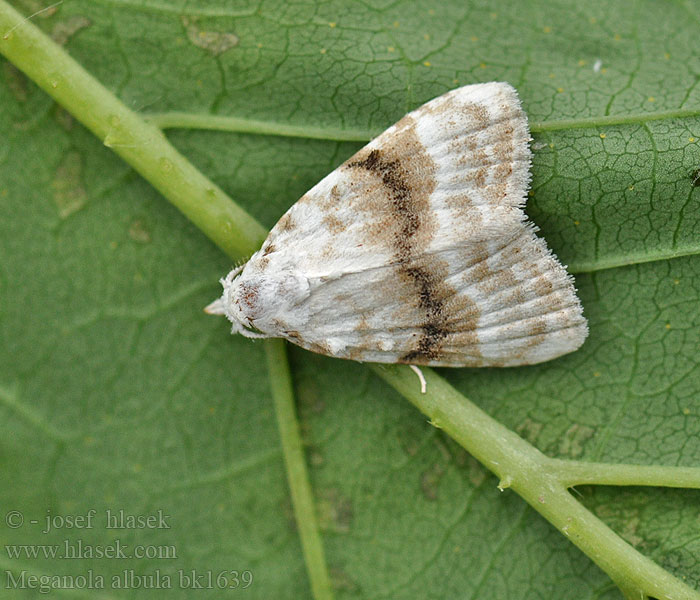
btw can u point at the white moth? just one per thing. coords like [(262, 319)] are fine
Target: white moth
[(417, 250)]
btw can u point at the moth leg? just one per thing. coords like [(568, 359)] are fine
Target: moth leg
[(421, 378), (240, 328)]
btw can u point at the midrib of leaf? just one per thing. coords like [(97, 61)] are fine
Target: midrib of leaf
[(519, 465), (184, 120)]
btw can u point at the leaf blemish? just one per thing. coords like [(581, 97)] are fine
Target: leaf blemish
[(695, 177), (335, 511), (215, 42), (430, 480), (139, 232), (69, 195), (65, 30), (16, 81), (574, 440)]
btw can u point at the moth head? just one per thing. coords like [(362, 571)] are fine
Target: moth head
[(239, 303), (252, 300)]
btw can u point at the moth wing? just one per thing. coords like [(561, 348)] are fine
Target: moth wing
[(417, 249)]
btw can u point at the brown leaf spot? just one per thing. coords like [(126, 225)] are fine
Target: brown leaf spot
[(530, 430), (16, 81), (69, 195), (139, 232), (214, 42), (430, 480), (65, 30), (64, 119), (574, 440), (342, 582)]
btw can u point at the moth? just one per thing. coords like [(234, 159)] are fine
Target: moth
[(417, 250)]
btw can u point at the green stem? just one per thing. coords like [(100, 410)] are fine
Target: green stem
[(525, 469), (140, 144), (302, 496)]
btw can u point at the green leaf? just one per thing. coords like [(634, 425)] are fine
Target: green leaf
[(117, 393)]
